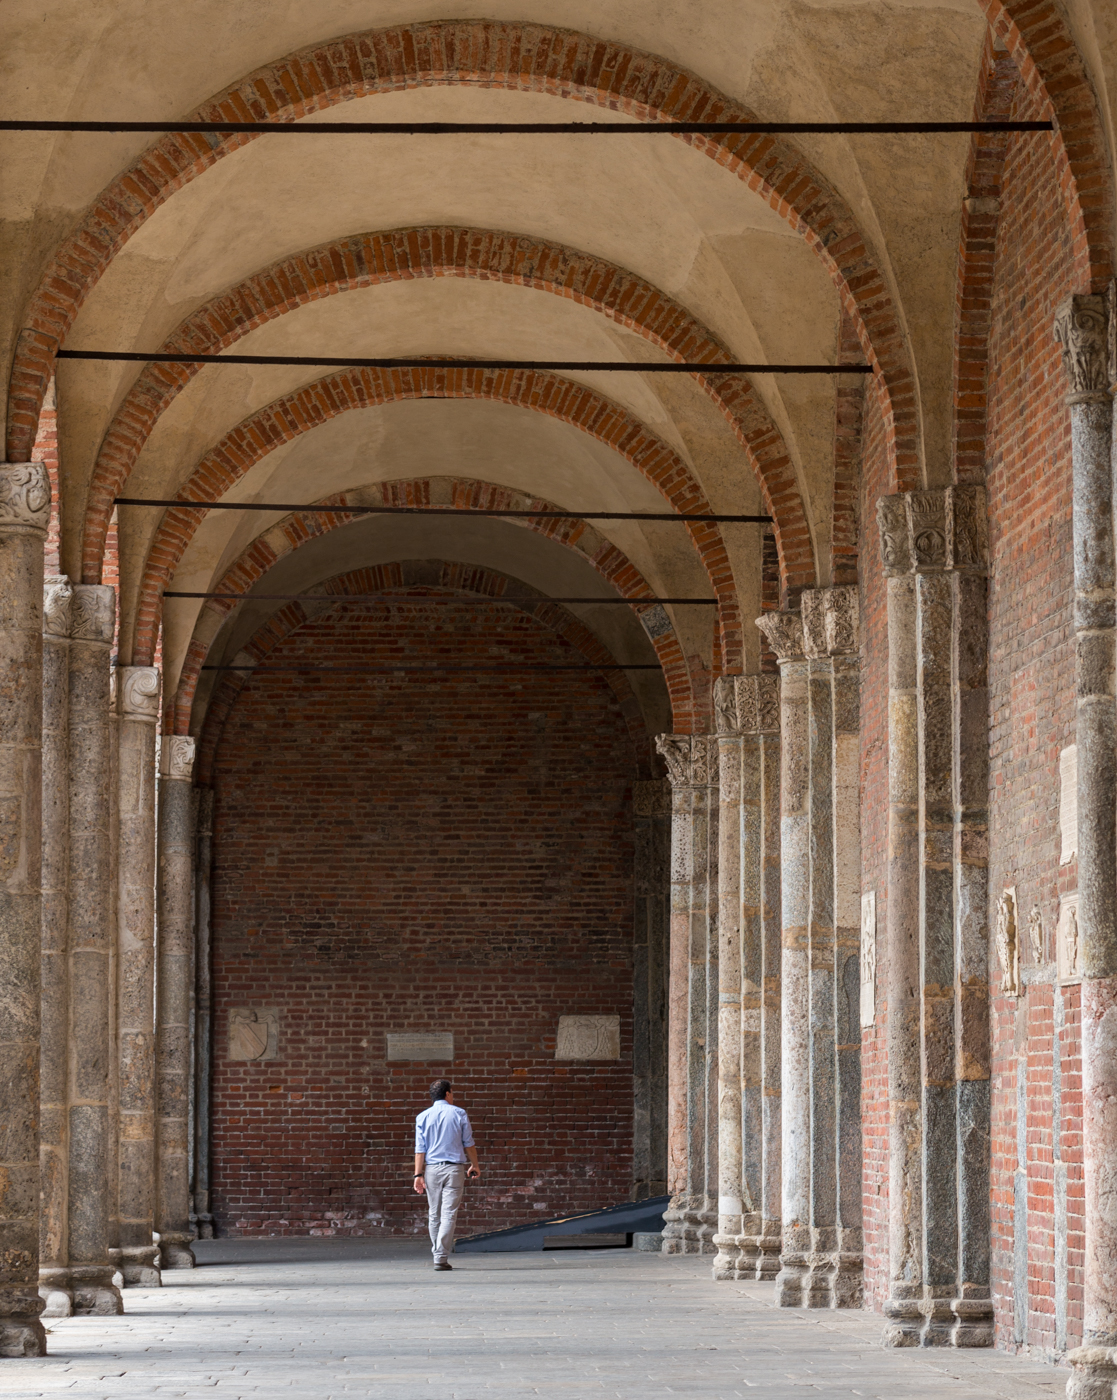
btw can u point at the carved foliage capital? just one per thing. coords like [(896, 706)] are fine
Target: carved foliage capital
[(24, 496), (691, 758), (58, 597), (1082, 329), (139, 692), (784, 631), (892, 523), (94, 612), (931, 531), (830, 621), (747, 704), (176, 756)]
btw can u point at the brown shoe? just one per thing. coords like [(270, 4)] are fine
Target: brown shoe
[(444, 1268)]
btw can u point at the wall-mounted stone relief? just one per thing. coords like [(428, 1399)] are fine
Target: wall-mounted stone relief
[(868, 958), (588, 1038), (253, 1034), (436, 1047), (1008, 943), (1068, 944)]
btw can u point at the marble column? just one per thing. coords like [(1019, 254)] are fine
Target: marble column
[(748, 1239), (201, 1216), (24, 514), (1085, 327), (137, 716), (90, 951), (54, 1278), (175, 978), (691, 1219), (821, 1259), (935, 555)]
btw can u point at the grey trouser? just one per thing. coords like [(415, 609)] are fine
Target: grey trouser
[(445, 1184)]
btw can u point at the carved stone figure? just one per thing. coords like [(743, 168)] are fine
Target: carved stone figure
[(967, 528), (24, 496), (58, 597), (725, 705), (1035, 935), (176, 756), (588, 1038), (139, 692), (1081, 328), (1007, 949), (868, 957), (93, 612)]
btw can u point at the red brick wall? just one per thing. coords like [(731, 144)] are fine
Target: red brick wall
[(401, 854), (1031, 677)]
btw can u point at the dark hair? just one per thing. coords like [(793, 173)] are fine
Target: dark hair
[(440, 1088)]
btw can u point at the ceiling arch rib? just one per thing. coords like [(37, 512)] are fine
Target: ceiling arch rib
[(520, 57), (289, 535), (300, 412), (484, 254)]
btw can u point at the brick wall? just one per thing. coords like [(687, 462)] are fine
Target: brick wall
[(402, 854)]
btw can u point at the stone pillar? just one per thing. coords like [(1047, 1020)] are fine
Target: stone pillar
[(1085, 326), (24, 514), (748, 1238), (935, 554), (54, 1278), (175, 941), (138, 710), (202, 1218), (691, 1219), (90, 952), (821, 1259)]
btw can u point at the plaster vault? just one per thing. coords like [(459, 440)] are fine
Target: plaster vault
[(308, 669)]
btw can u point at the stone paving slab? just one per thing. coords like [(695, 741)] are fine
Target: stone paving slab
[(339, 1319)]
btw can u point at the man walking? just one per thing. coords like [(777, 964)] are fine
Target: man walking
[(443, 1139)]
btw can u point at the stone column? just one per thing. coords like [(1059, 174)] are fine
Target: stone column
[(24, 514), (90, 951), (175, 941), (934, 550), (748, 1238), (1085, 327), (138, 710), (54, 1278), (691, 1219), (203, 1021)]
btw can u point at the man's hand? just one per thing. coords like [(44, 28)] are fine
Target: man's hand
[(475, 1172), (420, 1185)]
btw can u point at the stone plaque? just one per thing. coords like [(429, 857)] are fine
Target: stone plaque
[(436, 1046), (253, 1034), (1068, 943), (588, 1038), (868, 958), (1068, 804)]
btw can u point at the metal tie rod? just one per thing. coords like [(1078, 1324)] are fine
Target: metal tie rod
[(158, 357), (452, 510), (445, 598), (438, 670), (542, 128)]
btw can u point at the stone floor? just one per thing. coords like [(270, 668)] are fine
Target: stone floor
[(320, 1319)]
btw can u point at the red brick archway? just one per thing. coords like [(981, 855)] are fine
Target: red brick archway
[(391, 578), (518, 57), (296, 530), (314, 404), (372, 259)]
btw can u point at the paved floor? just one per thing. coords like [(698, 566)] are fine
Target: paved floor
[(352, 1320)]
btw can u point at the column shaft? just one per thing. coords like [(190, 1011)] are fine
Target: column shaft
[(203, 1016), (24, 512), (733, 1197)]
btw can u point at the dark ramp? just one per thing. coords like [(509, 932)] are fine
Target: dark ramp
[(627, 1219)]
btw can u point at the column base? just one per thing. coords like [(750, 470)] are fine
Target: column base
[(140, 1266), (1094, 1373), (820, 1280), (94, 1293), (21, 1332), (690, 1224), (56, 1293), (174, 1249), (938, 1322), (752, 1252)]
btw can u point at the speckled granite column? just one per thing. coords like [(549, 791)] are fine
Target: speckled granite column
[(54, 1278), (90, 951), (175, 944), (748, 1239), (24, 513), (138, 709), (691, 1220), (1084, 326), (646, 1121)]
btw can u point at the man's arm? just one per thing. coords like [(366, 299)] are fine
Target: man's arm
[(420, 1168)]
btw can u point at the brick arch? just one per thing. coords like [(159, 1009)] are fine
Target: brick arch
[(371, 259), (520, 57), (309, 407), (1054, 75), (456, 578)]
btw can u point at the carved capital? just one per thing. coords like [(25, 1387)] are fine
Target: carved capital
[(691, 758), (967, 529), (725, 705), (758, 704), (1082, 329), (94, 613), (58, 597), (139, 692), (927, 529), (24, 496), (784, 631), (176, 757), (892, 523)]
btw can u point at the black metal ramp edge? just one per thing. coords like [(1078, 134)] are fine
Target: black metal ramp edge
[(628, 1218)]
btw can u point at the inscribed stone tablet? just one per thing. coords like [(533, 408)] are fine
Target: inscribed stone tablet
[(588, 1038), (253, 1034), (437, 1046), (1068, 804)]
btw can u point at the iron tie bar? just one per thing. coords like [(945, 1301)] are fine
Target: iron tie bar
[(670, 516), (699, 128)]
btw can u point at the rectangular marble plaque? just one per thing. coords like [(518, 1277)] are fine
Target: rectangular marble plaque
[(588, 1038), (868, 958), (1068, 804), (436, 1046)]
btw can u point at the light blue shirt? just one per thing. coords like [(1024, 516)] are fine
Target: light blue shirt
[(443, 1132)]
